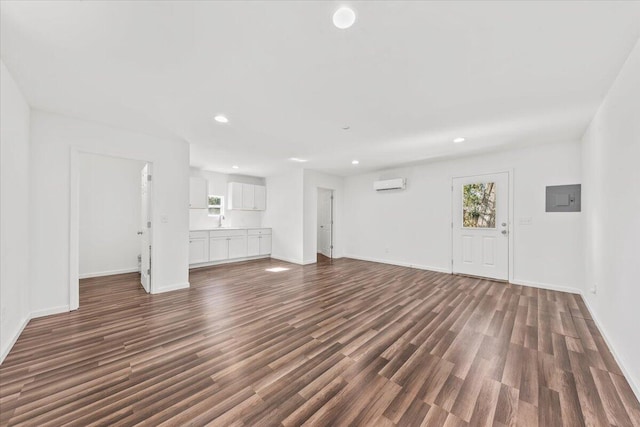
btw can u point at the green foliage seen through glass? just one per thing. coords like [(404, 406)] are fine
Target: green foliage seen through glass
[(479, 205)]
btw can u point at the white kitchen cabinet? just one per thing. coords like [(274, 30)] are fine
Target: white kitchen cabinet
[(265, 244), (234, 196), (253, 245), (198, 247), (227, 244), (259, 241), (209, 247), (218, 248), (237, 247), (198, 193), (260, 197), (246, 197)]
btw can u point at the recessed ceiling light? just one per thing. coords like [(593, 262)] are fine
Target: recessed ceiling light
[(458, 140), (235, 167), (344, 18), (355, 162), (296, 159), (221, 119)]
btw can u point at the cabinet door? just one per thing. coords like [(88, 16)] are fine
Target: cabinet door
[(237, 247), (253, 246), (198, 250), (248, 199), (198, 193), (234, 198), (265, 244), (260, 196), (218, 248)]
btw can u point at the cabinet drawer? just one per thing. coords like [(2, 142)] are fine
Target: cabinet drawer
[(198, 235), (227, 233), (259, 231)]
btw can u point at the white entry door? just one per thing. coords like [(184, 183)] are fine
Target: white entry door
[(145, 228), (325, 222), (480, 223)]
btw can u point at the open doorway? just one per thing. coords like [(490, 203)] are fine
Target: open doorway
[(114, 222), (325, 224)]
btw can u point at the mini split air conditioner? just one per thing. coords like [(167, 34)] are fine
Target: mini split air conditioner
[(390, 184)]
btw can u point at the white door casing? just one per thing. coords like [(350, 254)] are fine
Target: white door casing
[(145, 227), (480, 227)]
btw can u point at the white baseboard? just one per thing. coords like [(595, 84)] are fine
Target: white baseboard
[(291, 260), (170, 288), (547, 286), (400, 264), (108, 273), (9, 346), (619, 360), (50, 311)]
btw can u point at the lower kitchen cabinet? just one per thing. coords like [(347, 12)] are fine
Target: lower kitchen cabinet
[(259, 241), (198, 247), (219, 245)]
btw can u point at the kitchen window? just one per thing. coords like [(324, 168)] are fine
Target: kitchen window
[(216, 205)]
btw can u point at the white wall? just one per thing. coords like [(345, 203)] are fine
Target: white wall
[(611, 197), (110, 204), (412, 227), (218, 185), (284, 215), (53, 137), (312, 181), (14, 208)]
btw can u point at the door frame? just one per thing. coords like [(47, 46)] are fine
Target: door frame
[(332, 219), (74, 222), (511, 248)]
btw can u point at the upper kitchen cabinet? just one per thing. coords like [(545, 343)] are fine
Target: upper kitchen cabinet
[(198, 193), (247, 197)]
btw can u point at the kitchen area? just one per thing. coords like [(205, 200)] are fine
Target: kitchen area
[(225, 218)]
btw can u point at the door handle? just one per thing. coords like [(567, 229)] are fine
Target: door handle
[(139, 233), (504, 231)]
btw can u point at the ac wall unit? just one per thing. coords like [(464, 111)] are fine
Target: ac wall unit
[(390, 184)]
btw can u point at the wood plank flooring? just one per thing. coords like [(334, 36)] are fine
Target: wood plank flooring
[(343, 342)]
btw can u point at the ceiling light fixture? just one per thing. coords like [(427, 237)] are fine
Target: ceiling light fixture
[(458, 140), (355, 162), (235, 167), (221, 119), (296, 159), (344, 18)]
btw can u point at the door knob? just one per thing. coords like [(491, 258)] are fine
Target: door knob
[(504, 224), (504, 231)]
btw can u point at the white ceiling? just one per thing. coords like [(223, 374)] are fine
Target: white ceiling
[(407, 78)]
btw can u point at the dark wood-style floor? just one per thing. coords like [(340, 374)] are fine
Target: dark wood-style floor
[(339, 343)]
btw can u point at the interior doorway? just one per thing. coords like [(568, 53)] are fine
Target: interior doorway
[(111, 218), (480, 225), (325, 223)]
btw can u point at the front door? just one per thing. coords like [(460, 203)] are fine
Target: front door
[(145, 228), (480, 223)]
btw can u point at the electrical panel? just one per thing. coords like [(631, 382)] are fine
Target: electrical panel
[(563, 198)]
